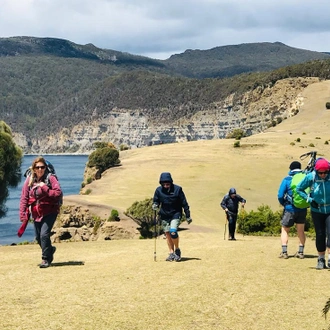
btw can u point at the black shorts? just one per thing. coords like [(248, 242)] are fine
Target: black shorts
[(290, 218)]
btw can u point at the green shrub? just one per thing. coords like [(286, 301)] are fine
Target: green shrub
[(292, 144), (326, 142), (97, 224), (298, 140), (88, 191), (266, 222), (311, 145), (237, 134), (237, 144), (327, 105), (114, 216), (103, 158), (89, 180), (142, 213), (123, 147), (99, 145)]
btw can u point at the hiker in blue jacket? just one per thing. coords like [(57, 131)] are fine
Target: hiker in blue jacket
[(230, 204), (291, 214), (319, 198), (171, 200)]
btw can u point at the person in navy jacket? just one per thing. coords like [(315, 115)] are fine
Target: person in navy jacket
[(230, 204), (170, 199)]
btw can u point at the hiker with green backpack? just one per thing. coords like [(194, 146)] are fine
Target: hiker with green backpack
[(319, 198), (293, 212)]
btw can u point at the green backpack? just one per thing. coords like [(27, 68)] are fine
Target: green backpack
[(297, 200)]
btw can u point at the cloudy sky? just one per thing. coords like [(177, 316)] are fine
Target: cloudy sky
[(161, 28)]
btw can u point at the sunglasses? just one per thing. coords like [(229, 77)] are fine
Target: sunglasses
[(321, 173), (40, 167)]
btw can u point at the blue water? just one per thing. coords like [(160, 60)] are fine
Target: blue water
[(69, 170)]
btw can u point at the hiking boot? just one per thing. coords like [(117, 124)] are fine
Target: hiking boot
[(177, 254), (321, 264), (52, 257), (284, 255), (299, 255), (171, 257), (44, 264)]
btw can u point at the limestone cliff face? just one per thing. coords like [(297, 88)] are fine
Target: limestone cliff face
[(253, 112)]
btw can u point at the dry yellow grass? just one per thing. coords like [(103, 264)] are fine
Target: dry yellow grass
[(219, 284)]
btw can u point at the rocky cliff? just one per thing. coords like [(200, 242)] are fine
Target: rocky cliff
[(253, 112)]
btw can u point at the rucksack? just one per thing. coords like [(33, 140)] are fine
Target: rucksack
[(297, 200), (50, 170)]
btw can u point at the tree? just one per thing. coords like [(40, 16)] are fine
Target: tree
[(10, 164), (103, 158)]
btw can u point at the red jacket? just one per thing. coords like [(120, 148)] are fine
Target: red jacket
[(40, 201)]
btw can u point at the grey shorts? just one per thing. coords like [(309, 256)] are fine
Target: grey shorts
[(290, 218), (170, 224)]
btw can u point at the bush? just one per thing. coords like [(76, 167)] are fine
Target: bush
[(114, 216), (99, 145), (237, 134), (266, 222), (327, 105), (103, 158), (123, 147), (142, 213), (237, 144)]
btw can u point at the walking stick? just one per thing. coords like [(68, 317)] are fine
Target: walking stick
[(155, 234), (224, 234)]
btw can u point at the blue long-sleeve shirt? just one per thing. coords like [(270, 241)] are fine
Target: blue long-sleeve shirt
[(285, 193)]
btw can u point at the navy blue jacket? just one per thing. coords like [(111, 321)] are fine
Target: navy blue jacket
[(232, 203), (171, 201)]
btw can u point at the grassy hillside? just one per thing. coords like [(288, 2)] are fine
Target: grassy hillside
[(219, 284)]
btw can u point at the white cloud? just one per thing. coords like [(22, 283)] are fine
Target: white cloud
[(160, 28)]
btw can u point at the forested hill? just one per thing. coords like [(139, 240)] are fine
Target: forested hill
[(47, 80)]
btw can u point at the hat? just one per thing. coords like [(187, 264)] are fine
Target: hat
[(322, 164), (232, 191), (295, 165), (165, 177)]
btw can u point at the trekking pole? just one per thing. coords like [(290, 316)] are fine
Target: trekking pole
[(243, 219), (155, 234), (224, 234)]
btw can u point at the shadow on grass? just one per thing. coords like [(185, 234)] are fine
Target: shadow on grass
[(68, 263), (188, 259)]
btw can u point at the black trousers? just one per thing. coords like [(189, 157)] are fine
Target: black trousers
[(232, 219), (322, 230), (42, 230)]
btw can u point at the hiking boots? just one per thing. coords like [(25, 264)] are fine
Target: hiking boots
[(171, 257), (284, 255), (231, 238), (299, 255), (177, 254), (44, 264), (321, 263)]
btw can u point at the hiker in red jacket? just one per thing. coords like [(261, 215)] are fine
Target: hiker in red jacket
[(41, 197)]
